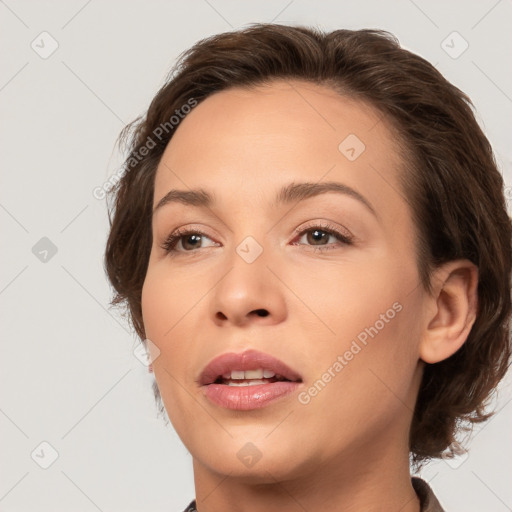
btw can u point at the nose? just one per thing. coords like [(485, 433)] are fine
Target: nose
[(249, 293)]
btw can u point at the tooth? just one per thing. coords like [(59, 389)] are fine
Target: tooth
[(257, 374), (253, 374), (247, 383)]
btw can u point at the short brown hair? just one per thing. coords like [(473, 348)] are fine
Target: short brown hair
[(451, 183)]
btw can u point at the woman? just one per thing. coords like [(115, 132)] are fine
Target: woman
[(311, 238)]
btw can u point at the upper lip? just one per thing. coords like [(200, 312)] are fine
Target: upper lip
[(247, 360)]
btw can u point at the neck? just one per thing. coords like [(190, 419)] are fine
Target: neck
[(367, 482)]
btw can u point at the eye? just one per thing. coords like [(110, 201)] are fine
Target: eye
[(186, 240), (318, 236)]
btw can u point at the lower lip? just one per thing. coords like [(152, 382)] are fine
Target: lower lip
[(245, 398)]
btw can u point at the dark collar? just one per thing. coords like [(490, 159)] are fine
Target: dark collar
[(428, 500)]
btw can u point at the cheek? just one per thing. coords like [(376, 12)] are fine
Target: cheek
[(363, 383), (154, 302), (347, 296), (174, 306), (366, 336), (167, 298), (168, 312)]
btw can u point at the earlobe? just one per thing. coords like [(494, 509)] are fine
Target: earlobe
[(454, 308)]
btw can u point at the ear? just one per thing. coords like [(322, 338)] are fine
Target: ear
[(452, 310)]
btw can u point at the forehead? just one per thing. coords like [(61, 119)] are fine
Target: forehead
[(251, 139)]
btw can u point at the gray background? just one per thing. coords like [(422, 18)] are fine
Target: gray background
[(68, 373)]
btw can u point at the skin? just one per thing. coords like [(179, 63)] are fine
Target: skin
[(347, 449)]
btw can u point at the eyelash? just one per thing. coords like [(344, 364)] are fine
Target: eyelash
[(171, 241), (344, 238)]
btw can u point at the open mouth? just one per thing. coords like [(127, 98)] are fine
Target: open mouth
[(247, 381), (251, 378), (249, 368)]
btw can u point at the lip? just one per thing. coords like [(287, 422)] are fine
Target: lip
[(248, 360), (247, 397)]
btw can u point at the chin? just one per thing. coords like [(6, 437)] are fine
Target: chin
[(259, 461)]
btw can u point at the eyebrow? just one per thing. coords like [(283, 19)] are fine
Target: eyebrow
[(289, 193)]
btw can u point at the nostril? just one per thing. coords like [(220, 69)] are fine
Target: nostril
[(262, 312)]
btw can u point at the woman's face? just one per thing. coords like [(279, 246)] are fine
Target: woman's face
[(323, 279)]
